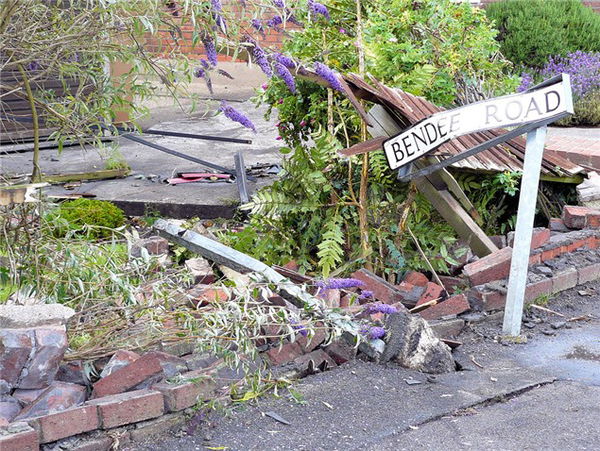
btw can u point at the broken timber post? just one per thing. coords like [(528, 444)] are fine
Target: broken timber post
[(448, 207)]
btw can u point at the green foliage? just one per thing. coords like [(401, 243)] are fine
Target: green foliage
[(311, 213), (587, 112), (494, 197), (437, 49), (531, 31), (96, 218)]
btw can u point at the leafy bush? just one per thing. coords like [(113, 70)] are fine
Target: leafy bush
[(531, 31), (323, 212), (96, 217), (584, 69)]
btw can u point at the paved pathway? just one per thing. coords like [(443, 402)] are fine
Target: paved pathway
[(579, 145)]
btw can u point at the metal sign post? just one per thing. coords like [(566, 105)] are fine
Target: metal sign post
[(537, 107), (517, 281)]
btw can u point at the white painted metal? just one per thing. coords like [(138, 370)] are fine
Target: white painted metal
[(522, 244)]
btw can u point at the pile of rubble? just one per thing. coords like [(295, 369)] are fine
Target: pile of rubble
[(47, 401)]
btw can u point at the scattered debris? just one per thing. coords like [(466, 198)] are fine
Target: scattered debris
[(278, 418), (547, 310)]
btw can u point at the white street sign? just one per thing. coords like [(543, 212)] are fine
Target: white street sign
[(425, 136)]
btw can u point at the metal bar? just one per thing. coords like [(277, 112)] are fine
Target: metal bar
[(139, 140), (241, 181), (481, 147), (196, 136), (519, 264)]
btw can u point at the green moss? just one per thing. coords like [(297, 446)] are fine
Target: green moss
[(96, 218)]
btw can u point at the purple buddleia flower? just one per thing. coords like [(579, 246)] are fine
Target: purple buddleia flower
[(526, 82), (199, 72), (318, 8), (299, 327), (275, 22), (236, 116), (285, 60), (257, 25), (224, 74), (216, 5), (381, 308), (376, 332), (279, 3), (365, 294), (260, 58), (329, 76), (221, 23), (286, 76), (205, 64), (583, 67), (211, 51), (330, 284)]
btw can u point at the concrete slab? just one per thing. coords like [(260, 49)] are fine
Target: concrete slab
[(138, 194)]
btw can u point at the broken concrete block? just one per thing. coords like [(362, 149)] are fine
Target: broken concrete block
[(59, 396), (448, 328), (119, 360), (9, 408), (411, 342), (382, 289), (15, 346), (200, 270), (432, 292), (494, 266), (154, 245), (30, 316), (588, 191), (454, 305), (198, 361), (42, 366), (416, 278)]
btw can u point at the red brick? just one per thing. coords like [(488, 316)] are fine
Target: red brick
[(452, 283), (410, 294), (535, 259), (119, 359), (181, 396), (588, 273), (202, 295), (539, 237), (293, 265), (24, 440), (432, 291), (341, 352), (126, 408), (454, 305), (592, 220), (494, 266), (564, 280), (537, 289), (318, 357), (50, 346), (284, 354), (26, 397), (489, 299), (59, 396), (574, 217), (128, 377), (557, 225), (416, 278), (57, 425), (382, 290), (16, 347), (308, 344), (170, 364)]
